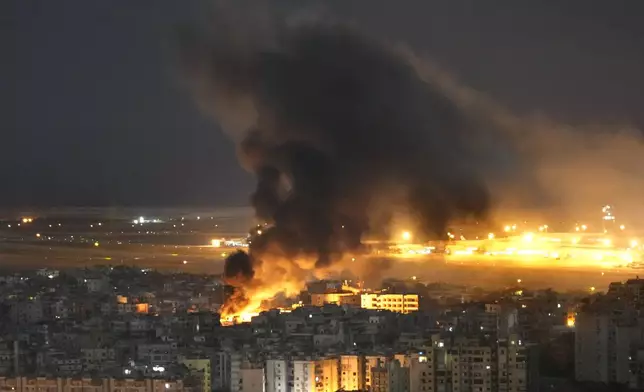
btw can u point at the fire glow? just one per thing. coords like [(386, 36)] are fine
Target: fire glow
[(596, 250)]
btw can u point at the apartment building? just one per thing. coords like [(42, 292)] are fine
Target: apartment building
[(39, 384), (304, 378), (277, 375), (400, 303), (603, 344), (352, 372)]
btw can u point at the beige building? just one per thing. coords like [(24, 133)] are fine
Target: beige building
[(40, 384), (400, 303), (304, 378), (320, 299), (327, 375), (244, 375), (352, 372), (371, 362), (466, 364)]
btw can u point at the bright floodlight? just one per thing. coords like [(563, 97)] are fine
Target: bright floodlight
[(216, 243), (406, 235)]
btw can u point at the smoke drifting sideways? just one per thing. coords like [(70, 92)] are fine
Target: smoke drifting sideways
[(559, 173), (344, 133), (335, 125)]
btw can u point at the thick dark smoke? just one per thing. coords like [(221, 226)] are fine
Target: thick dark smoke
[(335, 125)]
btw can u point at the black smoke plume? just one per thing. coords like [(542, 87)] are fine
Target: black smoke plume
[(335, 125)]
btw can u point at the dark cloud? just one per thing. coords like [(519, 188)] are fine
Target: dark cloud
[(335, 125)]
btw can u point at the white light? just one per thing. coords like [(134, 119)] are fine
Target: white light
[(127, 371), (50, 276), (488, 367), (167, 386), (185, 262)]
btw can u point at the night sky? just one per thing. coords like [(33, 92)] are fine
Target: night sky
[(92, 110)]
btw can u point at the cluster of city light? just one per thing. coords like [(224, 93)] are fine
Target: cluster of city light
[(509, 228), (141, 220), (602, 251)]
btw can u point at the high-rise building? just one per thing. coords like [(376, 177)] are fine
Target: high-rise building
[(327, 375), (389, 376), (371, 362), (277, 375), (220, 374), (304, 377), (603, 342), (245, 376), (352, 368)]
